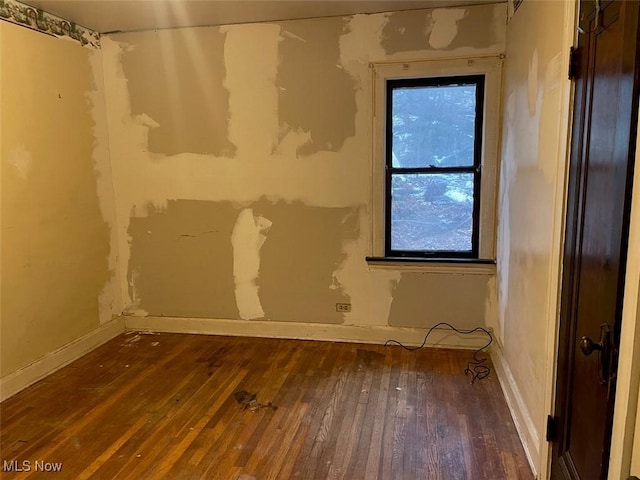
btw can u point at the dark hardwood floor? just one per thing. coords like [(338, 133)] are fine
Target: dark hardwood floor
[(181, 407)]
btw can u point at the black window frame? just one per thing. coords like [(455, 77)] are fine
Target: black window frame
[(479, 80)]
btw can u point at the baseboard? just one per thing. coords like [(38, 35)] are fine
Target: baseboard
[(524, 424), (442, 338), (26, 376)]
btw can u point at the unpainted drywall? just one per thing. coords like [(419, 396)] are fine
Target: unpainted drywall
[(176, 79), (422, 300), (182, 260), (533, 168), (56, 249), (250, 73), (299, 260), (299, 117), (316, 95)]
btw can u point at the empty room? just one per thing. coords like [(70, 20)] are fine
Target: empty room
[(319, 239)]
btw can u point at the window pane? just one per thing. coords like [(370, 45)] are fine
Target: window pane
[(432, 212), (433, 126)]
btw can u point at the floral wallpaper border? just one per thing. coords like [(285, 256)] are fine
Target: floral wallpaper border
[(36, 19)]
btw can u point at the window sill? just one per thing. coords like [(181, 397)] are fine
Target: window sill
[(471, 266)]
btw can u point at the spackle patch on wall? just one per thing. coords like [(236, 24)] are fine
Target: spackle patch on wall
[(444, 26), (299, 259), (183, 257), (316, 95), (249, 234), (176, 78), (21, 159)]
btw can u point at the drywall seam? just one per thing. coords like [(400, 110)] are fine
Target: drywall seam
[(110, 298), (249, 234)]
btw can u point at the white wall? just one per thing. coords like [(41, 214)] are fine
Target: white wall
[(531, 216)]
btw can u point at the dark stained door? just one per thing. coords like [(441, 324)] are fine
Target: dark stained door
[(601, 167)]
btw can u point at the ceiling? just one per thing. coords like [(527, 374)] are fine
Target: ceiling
[(130, 15)]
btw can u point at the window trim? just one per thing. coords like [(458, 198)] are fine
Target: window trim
[(477, 80), (491, 68)]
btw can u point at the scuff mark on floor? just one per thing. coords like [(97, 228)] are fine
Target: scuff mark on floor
[(244, 476), (369, 358), (249, 401), (130, 341)]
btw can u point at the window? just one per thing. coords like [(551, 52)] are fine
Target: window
[(435, 155), (433, 152)]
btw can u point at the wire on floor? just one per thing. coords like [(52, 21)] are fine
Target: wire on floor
[(475, 367)]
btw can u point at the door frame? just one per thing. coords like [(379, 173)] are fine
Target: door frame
[(628, 383), (626, 405), (570, 37)]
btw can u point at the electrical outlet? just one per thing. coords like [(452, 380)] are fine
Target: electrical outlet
[(343, 307)]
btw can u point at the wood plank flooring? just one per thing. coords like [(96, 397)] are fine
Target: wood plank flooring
[(167, 406)]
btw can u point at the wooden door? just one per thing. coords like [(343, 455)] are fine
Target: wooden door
[(601, 168)]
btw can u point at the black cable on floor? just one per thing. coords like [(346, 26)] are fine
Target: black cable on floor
[(475, 367)]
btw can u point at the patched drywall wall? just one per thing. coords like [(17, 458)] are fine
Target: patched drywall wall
[(296, 102), (533, 169), (58, 266), (176, 80)]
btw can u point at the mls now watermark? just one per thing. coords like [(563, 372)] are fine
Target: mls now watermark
[(29, 466)]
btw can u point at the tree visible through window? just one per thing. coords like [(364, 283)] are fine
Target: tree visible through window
[(433, 158)]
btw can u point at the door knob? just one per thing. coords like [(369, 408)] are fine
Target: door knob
[(603, 347), (587, 346)]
